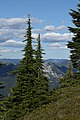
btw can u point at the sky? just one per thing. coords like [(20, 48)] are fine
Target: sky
[(50, 18)]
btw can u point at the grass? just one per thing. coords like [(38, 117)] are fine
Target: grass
[(64, 106)]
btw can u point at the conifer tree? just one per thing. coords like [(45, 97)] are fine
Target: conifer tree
[(41, 79), (69, 73), (68, 78), (2, 109), (32, 85), (39, 59), (74, 45), (21, 96), (1, 96)]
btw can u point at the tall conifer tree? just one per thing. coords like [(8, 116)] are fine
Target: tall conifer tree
[(21, 97), (39, 58), (74, 45), (32, 85), (42, 81)]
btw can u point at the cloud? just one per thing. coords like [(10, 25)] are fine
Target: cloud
[(12, 43), (14, 28), (12, 32), (12, 23), (17, 23), (57, 46), (36, 20), (34, 35), (50, 28), (6, 51), (53, 28), (57, 37), (37, 30), (6, 34)]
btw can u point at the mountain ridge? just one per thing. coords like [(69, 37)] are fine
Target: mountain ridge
[(54, 70)]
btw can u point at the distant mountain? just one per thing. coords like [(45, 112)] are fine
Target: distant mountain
[(13, 61), (16, 61), (54, 69), (59, 61), (6, 69)]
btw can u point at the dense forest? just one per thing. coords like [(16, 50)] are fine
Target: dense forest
[(31, 98)]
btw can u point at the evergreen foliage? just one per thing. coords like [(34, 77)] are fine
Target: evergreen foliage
[(74, 45), (69, 73), (69, 78), (65, 105), (21, 97), (2, 109), (41, 79), (1, 96), (32, 85), (39, 64)]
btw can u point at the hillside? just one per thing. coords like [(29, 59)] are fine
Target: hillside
[(6, 77), (65, 105)]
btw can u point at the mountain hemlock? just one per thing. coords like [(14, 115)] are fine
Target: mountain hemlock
[(74, 45), (31, 85)]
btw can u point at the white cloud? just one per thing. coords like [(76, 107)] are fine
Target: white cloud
[(50, 28), (36, 20), (12, 43), (57, 37), (13, 28), (17, 23), (35, 36), (57, 46), (12, 32), (12, 23), (53, 28), (6, 51), (6, 34), (37, 30), (62, 27)]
